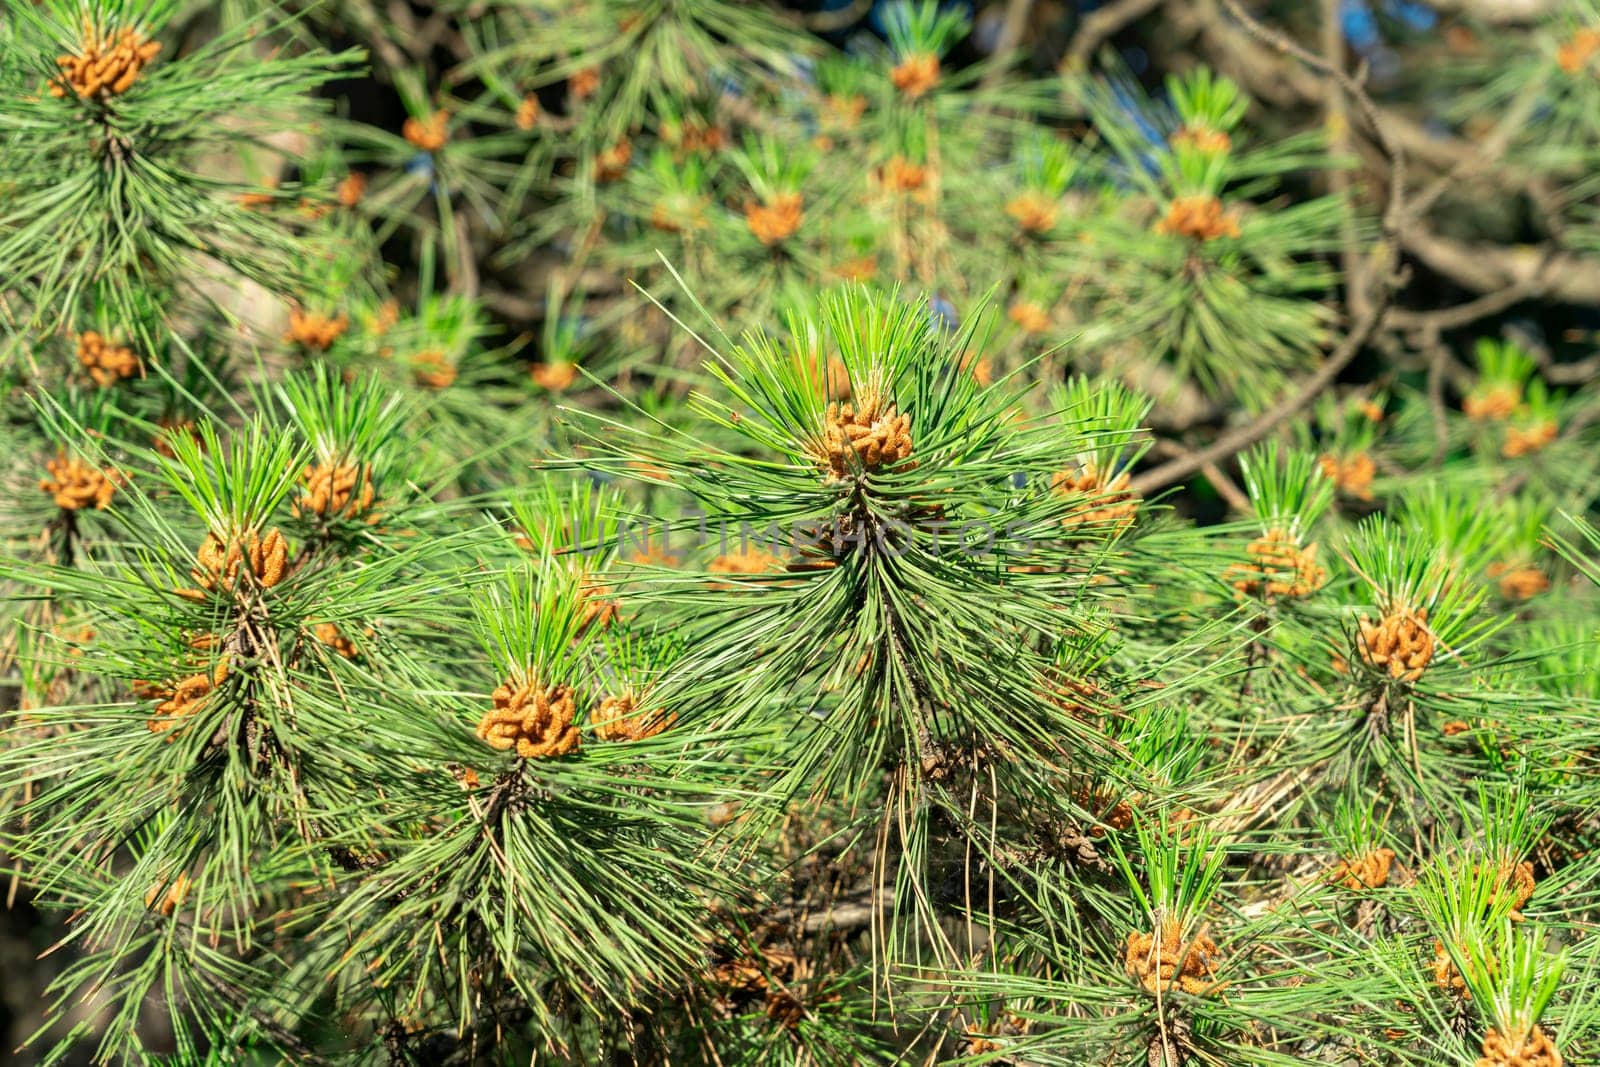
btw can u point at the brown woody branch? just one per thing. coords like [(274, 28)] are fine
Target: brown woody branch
[(1102, 24)]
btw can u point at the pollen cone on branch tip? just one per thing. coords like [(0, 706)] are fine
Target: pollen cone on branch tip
[(1106, 808), (1532, 1049), (612, 162), (432, 370), (167, 898), (351, 189), (1519, 583), (1029, 317), (1445, 973), (263, 198), (1400, 644), (555, 377), (1199, 218), (335, 489), (76, 485), (428, 134), (1526, 440), (745, 563), (1576, 52), (872, 433), (1279, 567), (1162, 964), (220, 563), (314, 330), (1517, 881), (181, 699), (900, 175), (106, 363), (528, 112), (694, 137), (107, 63), (1367, 871), (1352, 474), (584, 83), (1034, 212), (777, 219), (620, 718), (1492, 402), (1113, 502), (915, 75), (535, 720), (330, 635), (1202, 139), (599, 609), (855, 269), (843, 112)]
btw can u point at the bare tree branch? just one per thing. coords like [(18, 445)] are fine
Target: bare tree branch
[(1011, 30), (1498, 12), (1487, 268), (1101, 24)]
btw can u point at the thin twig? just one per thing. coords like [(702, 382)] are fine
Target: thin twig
[(1338, 123), (1225, 486), (1438, 359), (1017, 12), (1245, 436), (830, 21), (1102, 24), (1394, 210)]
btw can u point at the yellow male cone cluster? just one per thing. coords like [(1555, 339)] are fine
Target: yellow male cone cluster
[(875, 433), (220, 563), (915, 75), (75, 485), (1199, 218), (106, 363), (1368, 871), (621, 719), (535, 720), (1112, 498), (1532, 1049), (776, 220), (1279, 567), (1399, 644), (1166, 962), (106, 65), (335, 489)]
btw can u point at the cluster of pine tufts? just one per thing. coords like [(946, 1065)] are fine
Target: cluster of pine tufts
[(672, 532)]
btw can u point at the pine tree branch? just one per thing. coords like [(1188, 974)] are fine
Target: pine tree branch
[(1384, 273), (1224, 485), (1492, 303), (1271, 79), (1486, 268), (833, 21), (1394, 208), (1338, 122)]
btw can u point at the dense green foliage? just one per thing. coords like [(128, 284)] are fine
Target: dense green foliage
[(659, 531)]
